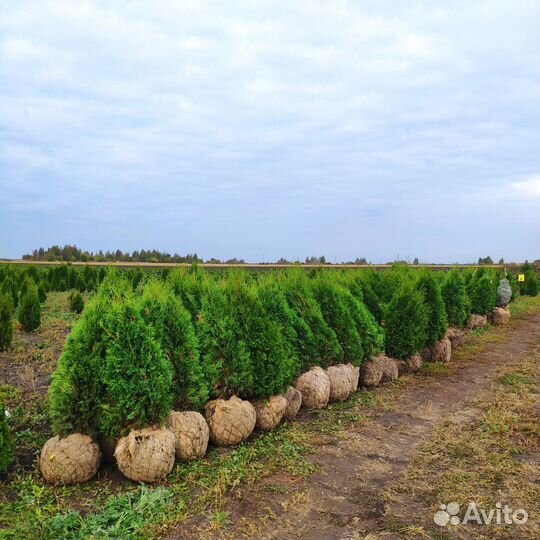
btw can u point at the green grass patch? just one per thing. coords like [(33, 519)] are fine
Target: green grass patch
[(434, 368)]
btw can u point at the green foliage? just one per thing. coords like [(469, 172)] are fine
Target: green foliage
[(174, 330), (10, 288), (530, 286), (428, 285), (42, 294), (483, 293), (29, 310), (320, 345), (6, 441), (124, 517), (456, 299), (372, 302), (77, 387), (244, 351), (406, 323), (226, 359), (335, 304), (137, 375), (76, 302), (6, 321), (274, 303), (189, 286)]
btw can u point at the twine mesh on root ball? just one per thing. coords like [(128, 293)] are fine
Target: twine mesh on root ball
[(191, 433), (230, 421), (146, 455), (71, 460)]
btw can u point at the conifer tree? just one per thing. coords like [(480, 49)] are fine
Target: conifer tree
[(174, 330), (456, 299), (406, 323), (6, 321), (428, 285), (29, 310), (6, 441)]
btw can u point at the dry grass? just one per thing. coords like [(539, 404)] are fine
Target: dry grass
[(490, 457)]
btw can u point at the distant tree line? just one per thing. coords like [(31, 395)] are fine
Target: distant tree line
[(73, 253)]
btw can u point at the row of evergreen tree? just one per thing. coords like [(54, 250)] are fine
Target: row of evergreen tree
[(149, 342)]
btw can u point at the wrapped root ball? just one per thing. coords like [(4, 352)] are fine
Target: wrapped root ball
[(270, 412), (146, 455), (70, 460), (315, 388), (340, 382), (191, 433), (230, 421), (294, 402)]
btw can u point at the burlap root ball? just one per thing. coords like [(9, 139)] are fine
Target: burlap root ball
[(340, 382), (456, 337), (441, 351), (500, 316), (294, 402), (191, 434), (230, 421), (315, 388), (354, 377), (71, 460), (270, 412), (146, 455), (378, 370), (477, 321)]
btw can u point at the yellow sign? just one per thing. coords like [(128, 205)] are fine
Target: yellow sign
[(521, 277)]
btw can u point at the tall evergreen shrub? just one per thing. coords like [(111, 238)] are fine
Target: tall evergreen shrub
[(6, 441), (483, 293), (406, 323), (334, 305), (456, 299), (6, 321), (321, 345), (428, 285), (29, 310), (174, 331), (137, 375)]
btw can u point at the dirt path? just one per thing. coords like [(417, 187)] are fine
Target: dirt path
[(345, 498)]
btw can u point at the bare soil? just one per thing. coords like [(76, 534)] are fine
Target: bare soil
[(348, 496)]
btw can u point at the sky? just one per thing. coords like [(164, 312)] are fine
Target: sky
[(259, 130)]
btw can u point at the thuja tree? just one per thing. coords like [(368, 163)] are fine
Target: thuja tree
[(6, 441), (6, 321), (483, 293), (137, 375), (456, 300), (226, 358), (294, 327), (274, 368), (76, 301), (406, 323), (174, 330), (189, 286), (274, 303), (530, 286), (77, 389), (370, 332), (29, 310), (428, 285), (335, 306), (322, 346), (371, 300), (246, 351)]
